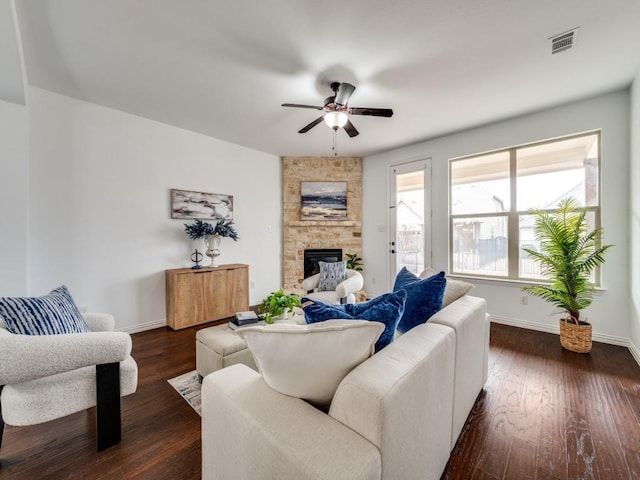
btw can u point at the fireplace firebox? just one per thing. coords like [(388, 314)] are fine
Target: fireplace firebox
[(314, 255)]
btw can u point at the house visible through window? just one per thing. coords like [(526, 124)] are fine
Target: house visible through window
[(491, 196)]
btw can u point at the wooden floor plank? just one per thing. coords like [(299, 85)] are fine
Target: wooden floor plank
[(581, 457), (608, 448), (545, 413), (521, 460)]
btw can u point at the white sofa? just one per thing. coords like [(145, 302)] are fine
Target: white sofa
[(395, 416)]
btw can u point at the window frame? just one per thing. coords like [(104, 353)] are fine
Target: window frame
[(513, 215)]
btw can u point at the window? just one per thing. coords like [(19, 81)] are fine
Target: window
[(491, 195)]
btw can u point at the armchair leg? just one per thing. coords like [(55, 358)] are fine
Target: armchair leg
[(108, 404), (1, 420)]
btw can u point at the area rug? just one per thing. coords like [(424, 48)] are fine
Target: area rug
[(188, 386)]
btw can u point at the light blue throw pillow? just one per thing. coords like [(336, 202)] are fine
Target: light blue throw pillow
[(424, 297), (50, 314), (331, 274), (386, 309)]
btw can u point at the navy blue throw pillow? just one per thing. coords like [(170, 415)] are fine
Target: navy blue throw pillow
[(424, 297), (386, 309)]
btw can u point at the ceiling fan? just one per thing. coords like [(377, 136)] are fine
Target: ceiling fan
[(338, 111)]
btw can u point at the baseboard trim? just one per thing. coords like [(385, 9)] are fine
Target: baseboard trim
[(142, 327), (543, 327), (635, 352), (515, 322)]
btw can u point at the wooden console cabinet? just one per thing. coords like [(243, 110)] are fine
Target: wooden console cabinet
[(206, 294)]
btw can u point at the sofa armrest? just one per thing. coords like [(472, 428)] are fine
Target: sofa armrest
[(27, 357), (311, 282), (468, 317), (400, 400), (251, 431), (99, 322)]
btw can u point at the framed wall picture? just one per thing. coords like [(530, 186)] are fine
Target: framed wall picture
[(187, 204), (323, 200)]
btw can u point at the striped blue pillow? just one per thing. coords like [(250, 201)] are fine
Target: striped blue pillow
[(50, 314)]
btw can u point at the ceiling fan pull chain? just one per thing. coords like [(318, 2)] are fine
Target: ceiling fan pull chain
[(335, 143)]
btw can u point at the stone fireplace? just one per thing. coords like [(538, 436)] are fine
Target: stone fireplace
[(300, 235)]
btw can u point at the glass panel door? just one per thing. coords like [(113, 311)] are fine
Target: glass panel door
[(410, 217)]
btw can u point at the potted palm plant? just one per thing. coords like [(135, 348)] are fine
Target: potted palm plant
[(568, 254)]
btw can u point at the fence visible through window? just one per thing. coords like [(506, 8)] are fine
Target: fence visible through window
[(410, 251), (492, 196)]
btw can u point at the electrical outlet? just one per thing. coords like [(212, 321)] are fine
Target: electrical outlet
[(524, 299)]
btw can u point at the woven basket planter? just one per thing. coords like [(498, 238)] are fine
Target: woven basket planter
[(575, 337)]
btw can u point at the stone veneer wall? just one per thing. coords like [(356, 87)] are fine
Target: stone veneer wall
[(298, 235)]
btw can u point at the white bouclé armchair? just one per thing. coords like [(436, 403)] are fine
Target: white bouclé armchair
[(44, 377), (344, 292)]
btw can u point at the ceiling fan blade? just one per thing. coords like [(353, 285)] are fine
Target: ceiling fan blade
[(376, 112), (311, 125), (344, 93), (350, 129), (297, 105)]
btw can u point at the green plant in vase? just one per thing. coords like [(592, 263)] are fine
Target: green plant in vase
[(278, 304), (354, 262)]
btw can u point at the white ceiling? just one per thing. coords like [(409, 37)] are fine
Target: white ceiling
[(224, 67)]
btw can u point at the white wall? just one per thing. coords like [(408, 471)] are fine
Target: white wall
[(635, 218), (13, 199), (100, 206), (610, 312)]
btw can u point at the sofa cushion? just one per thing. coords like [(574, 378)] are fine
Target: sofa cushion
[(424, 297), (50, 314), (454, 290), (331, 274), (386, 308), (310, 361)]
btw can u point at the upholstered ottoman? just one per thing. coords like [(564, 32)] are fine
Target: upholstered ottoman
[(218, 347)]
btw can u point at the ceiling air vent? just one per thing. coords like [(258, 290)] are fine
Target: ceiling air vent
[(564, 41)]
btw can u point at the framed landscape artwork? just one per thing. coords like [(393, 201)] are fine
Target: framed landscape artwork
[(186, 204), (323, 200)]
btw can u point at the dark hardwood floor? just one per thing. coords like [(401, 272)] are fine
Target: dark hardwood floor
[(545, 413)]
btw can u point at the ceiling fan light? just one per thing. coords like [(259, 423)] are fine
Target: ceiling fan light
[(336, 120)]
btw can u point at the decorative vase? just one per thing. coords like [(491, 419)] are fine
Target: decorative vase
[(283, 316), (575, 336), (212, 243)]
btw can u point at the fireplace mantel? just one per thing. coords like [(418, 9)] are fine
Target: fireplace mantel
[(323, 223)]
